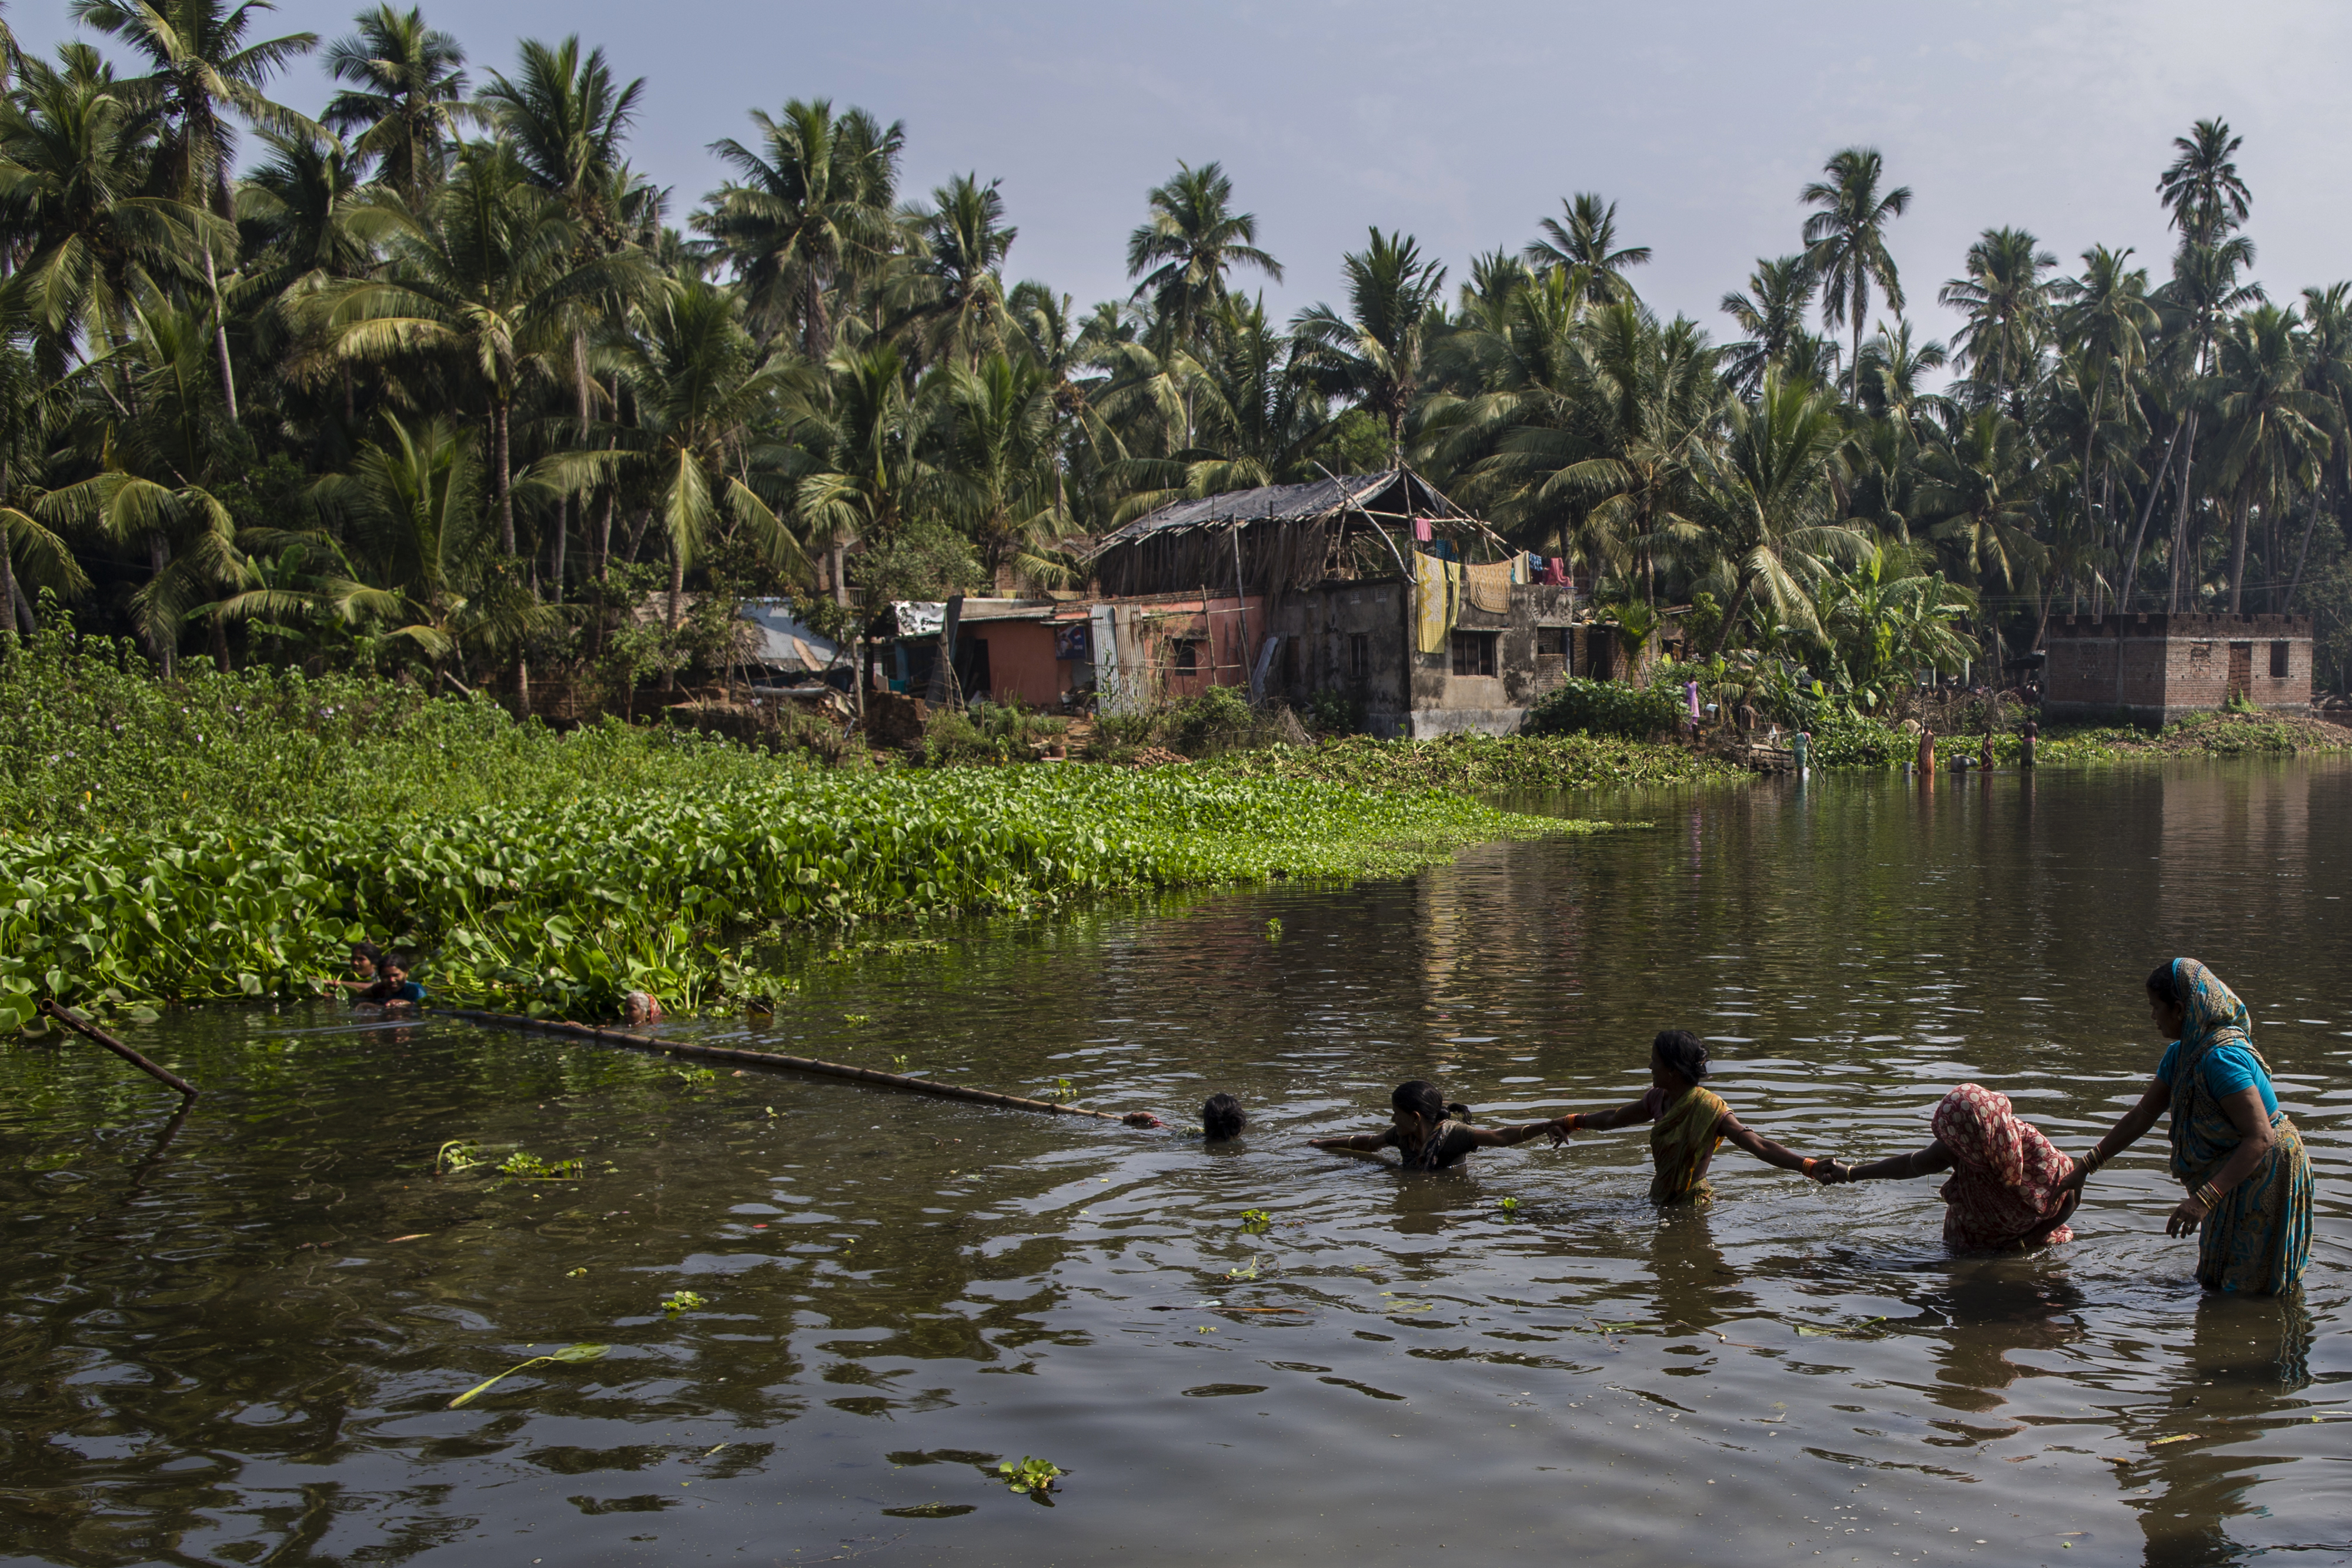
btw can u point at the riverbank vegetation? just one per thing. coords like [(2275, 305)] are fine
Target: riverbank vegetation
[(428, 378), (223, 835)]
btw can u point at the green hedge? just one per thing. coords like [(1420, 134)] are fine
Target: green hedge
[(1582, 706)]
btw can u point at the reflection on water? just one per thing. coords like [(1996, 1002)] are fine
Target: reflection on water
[(234, 1339)]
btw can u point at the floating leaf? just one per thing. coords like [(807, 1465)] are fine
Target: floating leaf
[(569, 1353)]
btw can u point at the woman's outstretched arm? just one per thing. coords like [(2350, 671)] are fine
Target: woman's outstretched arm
[(1896, 1168), (1601, 1121), (1361, 1144), (1762, 1147), (2153, 1102), (1508, 1137)]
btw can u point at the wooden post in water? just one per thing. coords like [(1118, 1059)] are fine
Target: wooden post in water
[(82, 1026), (794, 1063)]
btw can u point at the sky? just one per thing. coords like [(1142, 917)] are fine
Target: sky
[(1465, 123)]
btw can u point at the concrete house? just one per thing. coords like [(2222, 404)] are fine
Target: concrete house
[(1372, 585), (2155, 668)]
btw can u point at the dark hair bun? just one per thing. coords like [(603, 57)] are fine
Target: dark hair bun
[(1458, 1111), (1683, 1051)]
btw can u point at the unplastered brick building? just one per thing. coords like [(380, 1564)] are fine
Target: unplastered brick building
[(2155, 668)]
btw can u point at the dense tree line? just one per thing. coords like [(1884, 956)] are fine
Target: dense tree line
[(434, 379)]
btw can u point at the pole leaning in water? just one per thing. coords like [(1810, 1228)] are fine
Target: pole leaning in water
[(82, 1026), (794, 1063)]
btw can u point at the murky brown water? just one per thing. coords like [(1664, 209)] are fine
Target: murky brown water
[(216, 1350)]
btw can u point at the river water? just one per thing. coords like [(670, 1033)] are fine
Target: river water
[(234, 1340)]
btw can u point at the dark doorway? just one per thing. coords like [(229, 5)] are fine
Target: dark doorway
[(2242, 670)]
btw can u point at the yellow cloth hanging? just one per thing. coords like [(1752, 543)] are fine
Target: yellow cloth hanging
[(1489, 587), (1436, 585)]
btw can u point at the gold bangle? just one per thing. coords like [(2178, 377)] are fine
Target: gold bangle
[(2092, 1162), (2207, 1197)]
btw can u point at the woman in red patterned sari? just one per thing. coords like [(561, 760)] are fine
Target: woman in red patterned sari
[(2008, 1188)]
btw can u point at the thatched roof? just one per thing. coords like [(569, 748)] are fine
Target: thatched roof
[(1289, 536)]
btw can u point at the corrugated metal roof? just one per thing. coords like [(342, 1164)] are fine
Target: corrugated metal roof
[(1273, 504), (785, 642)]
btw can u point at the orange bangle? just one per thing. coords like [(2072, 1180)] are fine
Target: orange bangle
[(1809, 1164)]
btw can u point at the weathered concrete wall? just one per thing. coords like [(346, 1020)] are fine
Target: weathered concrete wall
[(1347, 637), (1020, 660), (2158, 668)]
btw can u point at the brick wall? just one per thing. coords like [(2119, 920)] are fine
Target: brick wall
[(2156, 669)]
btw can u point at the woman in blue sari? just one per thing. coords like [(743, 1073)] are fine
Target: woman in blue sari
[(2240, 1158)]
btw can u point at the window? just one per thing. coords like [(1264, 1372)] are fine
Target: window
[(1289, 663), (1188, 655), (1359, 654), (1552, 643), (1473, 653), (2278, 661)]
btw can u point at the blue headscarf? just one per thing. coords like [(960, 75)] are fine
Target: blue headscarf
[(2211, 1016)]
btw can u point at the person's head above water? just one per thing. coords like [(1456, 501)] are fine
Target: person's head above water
[(394, 968), (1423, 1100), (367, 958), (1677, 1058), (1221, 1116)]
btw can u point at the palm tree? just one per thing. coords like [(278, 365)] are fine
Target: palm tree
[(31, 408), (1773, 502), (157, 477), (863, 427), (1193, 239), (1978, 496), (74, 165), (200, 66), (2204, 288), (811, 207), (1373, 355), (965, 242), (2005, 300), (489, 286), (2328, 372), (407, 99), (997, 466), (2106, 319), (2272, 432), (699, 385), (2201, 188), (1846, 241), (1772, 314), (1586, 248)]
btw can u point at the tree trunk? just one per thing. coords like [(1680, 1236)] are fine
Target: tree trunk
[(838, 562), (24, 607), (2180, 519), (220, 336), (605, 538), (563, 532), (2238, 555), (504, 476), (1731, 614), (676, 590), (166, 649), (2139, 533), (2295, 584), (8, 578)]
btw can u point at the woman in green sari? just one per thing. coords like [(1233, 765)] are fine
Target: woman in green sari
[(1686, 1121), (2237, 1153)]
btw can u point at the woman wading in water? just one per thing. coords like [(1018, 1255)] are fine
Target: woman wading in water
[(2009, 1187), (1430, 1134), (2240, 1158), (1688, 1121)]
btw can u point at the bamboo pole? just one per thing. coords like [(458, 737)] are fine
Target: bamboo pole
[(795, 1063), (82, 1026)]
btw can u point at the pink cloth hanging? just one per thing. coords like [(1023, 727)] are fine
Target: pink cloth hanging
[(1421, 530)]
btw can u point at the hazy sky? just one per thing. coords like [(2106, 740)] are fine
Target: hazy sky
[(1465, 123)]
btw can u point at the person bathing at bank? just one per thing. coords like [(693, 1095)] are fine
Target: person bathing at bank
[(1221, 1118), (367, 969), (2009, 1187), (1686, 1121), (1430, 1134), (2240, 1156), (395, 989)]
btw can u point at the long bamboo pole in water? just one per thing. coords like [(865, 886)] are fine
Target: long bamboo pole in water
[(794, 1063), (82, 1026)]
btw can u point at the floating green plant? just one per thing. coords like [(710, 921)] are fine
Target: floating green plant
[(1256, 1220), (456, 1154), (695, 1077), (524, 1163), (1274, 929), (678, 1301), (1509, 1206), (569, 1353), (1034, 1477)]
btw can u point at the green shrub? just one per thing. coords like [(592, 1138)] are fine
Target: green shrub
[(1218, 719), (1334, 712), (1582, 706), (1844, 740), (987, 733)]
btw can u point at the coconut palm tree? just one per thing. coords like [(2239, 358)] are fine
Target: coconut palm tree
[(200, 66), (32, 408), (1772, 314), (997, 467), (1373, 355), (406, 102), (811, 207), (2201, 188), (2271, 429), (2106, 319), (74, 166), (1977, 498), (965, 240), (2327, 373), (2005, 298), (488, 286), (1846, 241), (699, 386), (1193, 239), (1773, 503), (1586, 248), (863, 429)]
